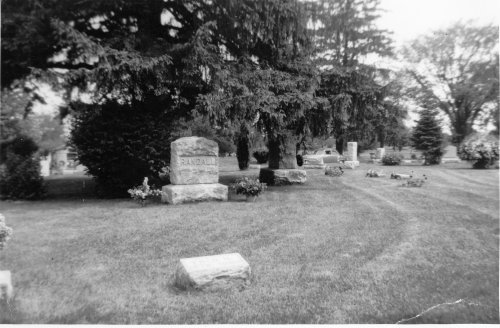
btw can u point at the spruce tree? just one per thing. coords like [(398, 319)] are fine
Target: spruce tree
[(428, 137)]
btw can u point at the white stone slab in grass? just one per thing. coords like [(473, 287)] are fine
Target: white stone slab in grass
[(212, 271), (6, 289)]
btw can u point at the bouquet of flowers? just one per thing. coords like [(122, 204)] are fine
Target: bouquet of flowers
[(248, 186), (144, 192)]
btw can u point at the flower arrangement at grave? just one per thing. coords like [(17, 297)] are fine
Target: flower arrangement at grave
[(415, 182), (391, 159), (144, 193), (334, 171), (399, 176), (5, 232), (248, 186), (375, 174)]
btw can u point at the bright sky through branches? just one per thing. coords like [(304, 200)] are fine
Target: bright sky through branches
[(408, 19)]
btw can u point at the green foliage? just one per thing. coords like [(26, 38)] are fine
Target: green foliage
[(248, 186), (481, 149), (346, 30), (456, 70), (243, 149), (428, 137), (391, 159), (120, 145), (261, 156), (5, 232), (20, 176)]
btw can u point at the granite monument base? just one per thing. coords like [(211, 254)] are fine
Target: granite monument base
[(178, 194)]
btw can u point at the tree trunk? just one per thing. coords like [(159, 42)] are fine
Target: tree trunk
[(282, 152), (339, 145)]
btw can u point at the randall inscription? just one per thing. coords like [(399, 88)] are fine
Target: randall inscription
[(198, 160)]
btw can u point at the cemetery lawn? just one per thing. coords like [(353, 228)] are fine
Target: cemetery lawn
[(335, 250)]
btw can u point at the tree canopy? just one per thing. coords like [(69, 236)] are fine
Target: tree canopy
[(456, 70), (233, 61)]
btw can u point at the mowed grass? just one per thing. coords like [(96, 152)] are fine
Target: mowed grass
[(334, 250)]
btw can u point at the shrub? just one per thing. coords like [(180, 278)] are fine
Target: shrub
[(144, 192), (481, 149), (5, 232), (261, 156), (391, 159), (300, 160), (20, 178), (243, 149), (428, 137), (121, 145), (248, 186)]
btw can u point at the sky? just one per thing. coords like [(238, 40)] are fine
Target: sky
[(411, 18)]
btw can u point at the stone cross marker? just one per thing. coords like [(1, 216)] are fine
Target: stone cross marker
[(194, 172), (204, 271)]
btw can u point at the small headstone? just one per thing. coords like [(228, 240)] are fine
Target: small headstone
[(212, 271), (194, 172), (6, 289), (352, 155), (380, 153), (450, 155)]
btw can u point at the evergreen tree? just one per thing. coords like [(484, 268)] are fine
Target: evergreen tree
[(428, 137), (243, 148)]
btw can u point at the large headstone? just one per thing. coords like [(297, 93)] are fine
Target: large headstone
[(210, 271), (450, 155), (351, 160), (194, 172), (194, 160)]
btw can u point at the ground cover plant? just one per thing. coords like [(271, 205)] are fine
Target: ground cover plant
[(350, 250)]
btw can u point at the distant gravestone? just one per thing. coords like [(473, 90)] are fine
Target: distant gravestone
[(194, 172), (352, 155), (380, 153), (211, 271), (313, 162), (5, 285), (450, 155)]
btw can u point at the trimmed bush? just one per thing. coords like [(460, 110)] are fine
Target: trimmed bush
[(243, 149), (300, 160), (261, 156), (121, 145), (481, 149), (391, 159), (20, 176)]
